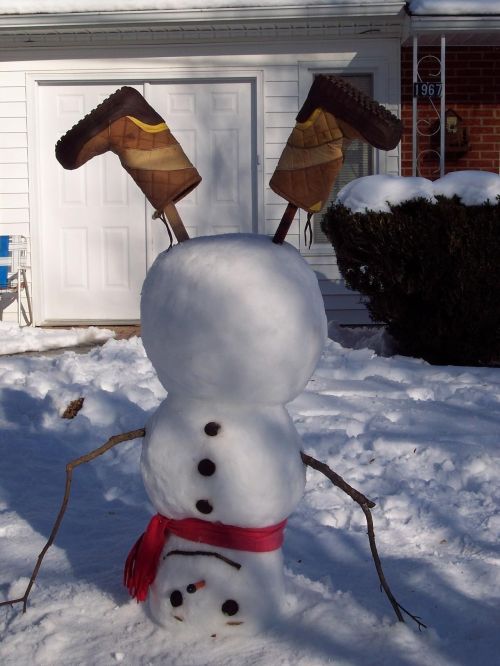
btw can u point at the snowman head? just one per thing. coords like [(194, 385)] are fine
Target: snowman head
[(234, 318), (205, 592)]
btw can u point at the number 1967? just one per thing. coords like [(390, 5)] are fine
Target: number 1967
[(426, 89)]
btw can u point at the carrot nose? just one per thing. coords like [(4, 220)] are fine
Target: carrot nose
[(192, 587)]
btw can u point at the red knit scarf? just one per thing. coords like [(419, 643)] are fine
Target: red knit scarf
[(143, 560)]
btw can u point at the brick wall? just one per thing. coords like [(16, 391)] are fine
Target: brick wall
[(473, 91)]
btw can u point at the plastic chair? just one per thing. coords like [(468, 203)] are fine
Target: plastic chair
[(13, 281)]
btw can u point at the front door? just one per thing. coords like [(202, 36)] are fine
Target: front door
[(96, 235)]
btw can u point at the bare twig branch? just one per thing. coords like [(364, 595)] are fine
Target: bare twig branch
[(112, 441), (378, 565), (365, 505), (337, 480)]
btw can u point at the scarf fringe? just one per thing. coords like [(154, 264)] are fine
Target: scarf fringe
[(143, 560)]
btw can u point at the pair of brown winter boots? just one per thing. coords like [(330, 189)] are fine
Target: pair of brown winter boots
[(333, 114)]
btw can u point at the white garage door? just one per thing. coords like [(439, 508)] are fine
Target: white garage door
[(97, 236), (213, 123)]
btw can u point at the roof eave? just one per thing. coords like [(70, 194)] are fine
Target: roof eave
[(447, 24), (23, 22), (471, 30)]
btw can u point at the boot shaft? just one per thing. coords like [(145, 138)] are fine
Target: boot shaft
[(150, 154), (310, 162)]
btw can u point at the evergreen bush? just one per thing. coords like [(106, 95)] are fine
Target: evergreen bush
[(431, 273)]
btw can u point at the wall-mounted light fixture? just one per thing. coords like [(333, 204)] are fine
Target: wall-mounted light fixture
[(456, 138)]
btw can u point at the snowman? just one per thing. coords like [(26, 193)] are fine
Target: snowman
[(234, 326)]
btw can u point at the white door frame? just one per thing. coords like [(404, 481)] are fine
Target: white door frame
[(120, 76)]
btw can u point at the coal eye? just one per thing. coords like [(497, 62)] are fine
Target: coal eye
[(176, 598), (230, 607), (192, 587)]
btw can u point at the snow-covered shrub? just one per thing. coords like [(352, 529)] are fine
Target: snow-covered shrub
[(431, 271)]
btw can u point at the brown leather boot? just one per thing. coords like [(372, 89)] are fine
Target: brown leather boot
[(333, 114), (310, 162), (128, 126)]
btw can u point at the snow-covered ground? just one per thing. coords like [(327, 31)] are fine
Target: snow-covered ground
[(421, 440), (14, 340)]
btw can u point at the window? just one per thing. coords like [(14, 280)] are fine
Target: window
[(357, 163)]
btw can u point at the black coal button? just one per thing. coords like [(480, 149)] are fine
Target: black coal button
[(206, 467), (212, 428), (204, 506)]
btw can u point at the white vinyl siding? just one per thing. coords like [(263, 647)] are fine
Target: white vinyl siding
[(14, 184), (281, 103)]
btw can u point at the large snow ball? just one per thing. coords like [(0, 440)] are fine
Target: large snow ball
[(235, 318)]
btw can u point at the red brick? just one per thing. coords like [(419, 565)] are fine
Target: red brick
[(485, 112), (475, 164), (490, 154), (474, 154), (489, 138)]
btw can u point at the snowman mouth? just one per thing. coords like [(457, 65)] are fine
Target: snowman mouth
[(176, 617), (234, 623), (206, 553)]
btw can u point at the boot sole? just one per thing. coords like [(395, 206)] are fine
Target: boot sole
[(378, 126), (124, 102)]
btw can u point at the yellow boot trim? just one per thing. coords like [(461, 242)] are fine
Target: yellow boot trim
[(170, 158), (321, 127), (150, 129), (311, 120)]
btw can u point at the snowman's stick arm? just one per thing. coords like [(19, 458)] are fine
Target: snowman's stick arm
[(337, 480), (112, 441), (365, 505)]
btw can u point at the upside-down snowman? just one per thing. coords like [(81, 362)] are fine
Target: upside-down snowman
[(234, 326)]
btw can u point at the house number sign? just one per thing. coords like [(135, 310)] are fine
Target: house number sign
[(427, 89)]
